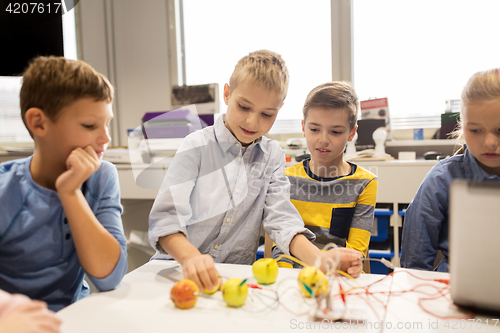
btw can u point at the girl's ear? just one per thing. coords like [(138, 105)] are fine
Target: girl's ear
[(36, 121), (226, 94)]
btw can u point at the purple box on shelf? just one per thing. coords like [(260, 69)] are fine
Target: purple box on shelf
[(171, 124)]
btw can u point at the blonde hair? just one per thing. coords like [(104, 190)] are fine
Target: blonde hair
[(262, 69), (334, 95), (481, 87), (53, 83)]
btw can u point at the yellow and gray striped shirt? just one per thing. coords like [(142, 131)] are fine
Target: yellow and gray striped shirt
[(338, 210)]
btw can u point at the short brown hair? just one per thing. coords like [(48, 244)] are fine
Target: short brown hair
[(334, 95), (263, 69), (53, 83)]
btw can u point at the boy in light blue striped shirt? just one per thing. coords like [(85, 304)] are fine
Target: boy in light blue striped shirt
[(228, 180)]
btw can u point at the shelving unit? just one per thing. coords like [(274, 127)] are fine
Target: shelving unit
[(420, 143), (446, 147), (380, 244), (398, 182)]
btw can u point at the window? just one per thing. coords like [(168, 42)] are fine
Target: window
[(421, 53), (12, 128), (218, 33)]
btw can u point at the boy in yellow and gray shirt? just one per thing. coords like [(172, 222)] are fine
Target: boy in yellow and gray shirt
[(336, 199)]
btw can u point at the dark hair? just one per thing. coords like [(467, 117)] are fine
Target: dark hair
[(334, 95)]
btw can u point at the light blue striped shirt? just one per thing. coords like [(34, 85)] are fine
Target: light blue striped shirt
[(219, 197)]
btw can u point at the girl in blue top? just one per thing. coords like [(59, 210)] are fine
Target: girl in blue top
[(425, 228)]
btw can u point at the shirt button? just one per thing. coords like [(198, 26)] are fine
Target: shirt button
[(65, 221), (237, 145), (237, 190), (239, 158), (67, 236), (228, 220), (216, 246)]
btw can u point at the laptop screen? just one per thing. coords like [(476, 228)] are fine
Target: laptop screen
[(475, 244)]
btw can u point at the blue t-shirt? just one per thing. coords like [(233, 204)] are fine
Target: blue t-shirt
[(425, 229), (37, 252)]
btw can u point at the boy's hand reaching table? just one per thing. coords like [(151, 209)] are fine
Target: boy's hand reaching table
[(200, 269), (197, 267), (350, 261)]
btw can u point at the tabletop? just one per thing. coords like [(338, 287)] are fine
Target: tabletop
[(408, 301)]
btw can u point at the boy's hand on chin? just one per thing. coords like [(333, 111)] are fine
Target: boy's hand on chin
[(80, 164)]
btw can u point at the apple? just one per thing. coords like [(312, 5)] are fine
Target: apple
[(314, 279), (234, 293), (184, 294), (265, 270), (214, 289)]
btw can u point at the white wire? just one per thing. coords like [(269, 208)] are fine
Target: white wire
[(335, 263)]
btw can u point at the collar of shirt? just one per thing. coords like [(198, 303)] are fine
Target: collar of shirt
[(26, 172), (477, 173), (222, 134)]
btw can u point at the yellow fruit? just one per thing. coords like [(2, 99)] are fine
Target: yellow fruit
[(314, 279), (184, 294), (265, 270), (233, 293), (214, 289)]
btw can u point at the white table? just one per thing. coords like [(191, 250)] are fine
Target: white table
[(141, 303)]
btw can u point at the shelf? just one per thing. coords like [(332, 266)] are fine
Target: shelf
[(414, 143)]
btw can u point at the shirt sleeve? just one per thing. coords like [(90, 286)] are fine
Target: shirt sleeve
[(109, 215), (283, 262), (423, 221), (282, 221), (171, 209), (362, 220)]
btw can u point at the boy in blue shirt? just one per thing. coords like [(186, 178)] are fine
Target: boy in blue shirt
[(61, 211), (228, 180)]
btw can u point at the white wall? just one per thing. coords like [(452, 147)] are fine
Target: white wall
[(127, 40)]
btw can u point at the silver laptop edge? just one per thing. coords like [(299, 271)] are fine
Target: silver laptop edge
[(474, 222)]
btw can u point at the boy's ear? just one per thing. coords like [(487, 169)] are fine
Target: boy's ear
[(303, 129), (353, 133), (36, 121), (226, 93)]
